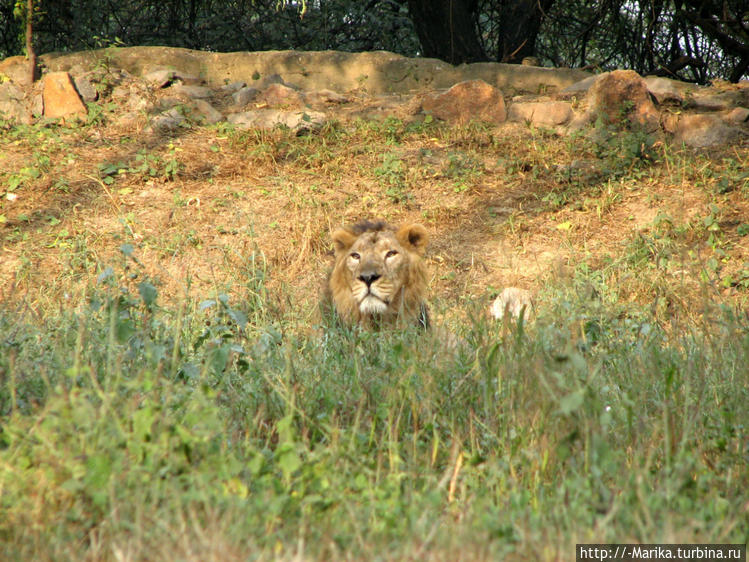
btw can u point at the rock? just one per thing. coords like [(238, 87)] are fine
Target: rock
[(189, 79), (243, 96), (549, 113), (129, 119), (669, 122), (16, 68), (37, 104), (663, 90), (620, 95), (377, 72), (262, 83), (466, 101), (299, 121), (580, 88), (513, 301), (323, 97), (195, 92), (12, 105), (278, 94), (85, 88), (137, 102), (160, 78), (121, 93), (168, 103), (701, 131), (207, 111), (61, 98), (233, 87), (736, 116), (715, 102), (167, 121)]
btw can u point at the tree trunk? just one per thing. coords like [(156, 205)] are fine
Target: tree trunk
[(30, 42), (446, 29), (519, 23)]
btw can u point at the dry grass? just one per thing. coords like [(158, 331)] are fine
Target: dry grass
[(499, 204), (226, 431)]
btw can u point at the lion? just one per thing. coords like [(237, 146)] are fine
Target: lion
[(379, 277)]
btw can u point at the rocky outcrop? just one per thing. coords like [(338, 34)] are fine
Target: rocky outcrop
[(165, 89), (376, 72), (698, 117)]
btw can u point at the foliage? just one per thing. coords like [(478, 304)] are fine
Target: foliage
[(693, 40), (250, 25), (126, 425)]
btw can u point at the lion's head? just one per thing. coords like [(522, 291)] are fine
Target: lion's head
[(379, 276)]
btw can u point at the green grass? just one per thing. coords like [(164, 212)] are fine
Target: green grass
[(225, 430), (138, 425)]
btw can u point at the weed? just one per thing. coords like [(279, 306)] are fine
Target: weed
[(97, 113), (172, 165), (392, 174)]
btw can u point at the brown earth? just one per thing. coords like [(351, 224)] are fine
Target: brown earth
[(207, 207)]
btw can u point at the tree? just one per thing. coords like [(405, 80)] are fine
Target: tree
[(519, 24), (727, 23), (24, 11), (460, 31), (30, 54), (447, 29)]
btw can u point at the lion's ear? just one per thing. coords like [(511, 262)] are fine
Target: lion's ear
[(342, 240), (413, 236)]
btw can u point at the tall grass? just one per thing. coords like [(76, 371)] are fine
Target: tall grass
[(221, 430)]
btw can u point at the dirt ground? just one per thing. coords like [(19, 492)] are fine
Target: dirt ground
[(208, 209)]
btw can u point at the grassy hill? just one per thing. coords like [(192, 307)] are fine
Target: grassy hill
[(169, 390)]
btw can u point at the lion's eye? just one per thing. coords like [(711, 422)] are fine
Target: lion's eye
[(391, 253), (355, 256)]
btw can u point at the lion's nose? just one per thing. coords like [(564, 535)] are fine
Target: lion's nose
[(369, 278)]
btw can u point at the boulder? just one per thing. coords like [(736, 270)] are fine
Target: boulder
[(325, 97), (543, 113), (233, 87), (160, 78), (12, 104), (277, 95), (579, 89), (16, 69), (620, 96), (701, 131), (167, 121), (715, 102), (194, 92), (244, 95), (209, 113), (299, 121), (736, 116), (85, 88), (61, 98), (466, 101), (664, 91)]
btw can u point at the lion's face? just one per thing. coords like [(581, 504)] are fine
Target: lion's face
[(379, 273)]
